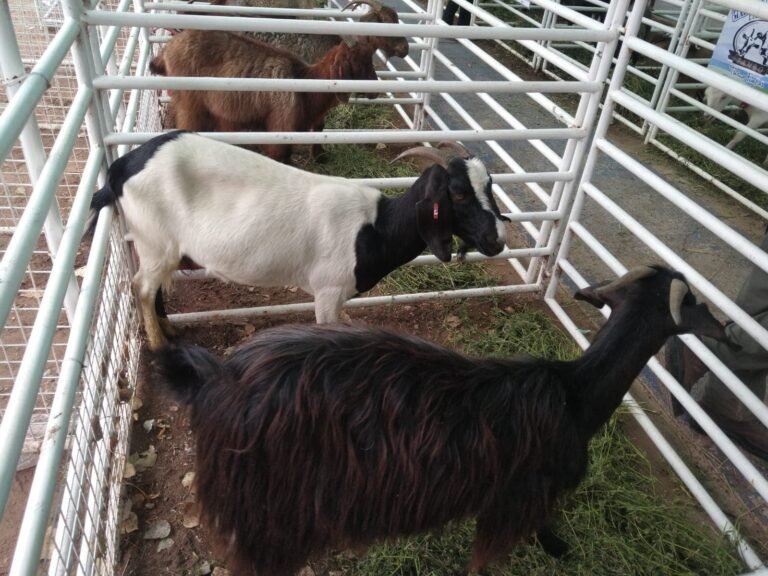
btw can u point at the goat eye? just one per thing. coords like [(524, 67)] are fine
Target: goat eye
[(458, 197)]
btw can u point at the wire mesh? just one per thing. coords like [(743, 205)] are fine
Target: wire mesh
[(85, 538), (88, 503)]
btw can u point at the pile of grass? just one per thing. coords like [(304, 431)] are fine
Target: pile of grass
[(453, 276), (361, 160), (617, 522)]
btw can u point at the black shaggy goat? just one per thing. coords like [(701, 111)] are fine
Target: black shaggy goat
[(310, 437)]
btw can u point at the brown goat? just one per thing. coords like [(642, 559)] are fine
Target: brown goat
[(230, 55), (312, 47)]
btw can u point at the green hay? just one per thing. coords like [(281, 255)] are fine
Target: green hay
[(453, 276), (617, 522), (361, 160)]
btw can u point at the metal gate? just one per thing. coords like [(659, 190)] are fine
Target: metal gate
[(71, 342)]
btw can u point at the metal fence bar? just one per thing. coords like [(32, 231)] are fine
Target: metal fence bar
[(357, 86), (22, 243), (22, 399), (31, 142), (688, 206), (32, 531), (367, 136), (194, 317), (14, 117), (719, 154), (101, 18)]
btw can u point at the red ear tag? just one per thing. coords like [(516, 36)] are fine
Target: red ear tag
[(743, 105), (435, 211)]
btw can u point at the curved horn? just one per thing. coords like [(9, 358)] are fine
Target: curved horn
[(355, 3), (463, 152), (631, 276), (677, 291), (424, 152)]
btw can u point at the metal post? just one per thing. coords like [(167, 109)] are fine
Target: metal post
[(13, 75), (689, 18), (427, 65)]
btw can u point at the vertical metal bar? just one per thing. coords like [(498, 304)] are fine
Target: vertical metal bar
[(27, 383), (576, 151), (619, 72), (673, 74), (84, 56), (32, 532), (427, 65), (32, 144), (64, 539), (15, 115)]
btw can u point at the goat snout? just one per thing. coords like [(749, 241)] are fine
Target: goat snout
[(490, 245), (400, 49)]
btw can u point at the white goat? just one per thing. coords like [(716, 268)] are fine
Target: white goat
[(251, 220), (756, 117)]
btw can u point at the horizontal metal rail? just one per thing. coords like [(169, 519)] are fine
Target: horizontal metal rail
[(264, 11), (759, 9), (302, 85), (689, 207), (277, 309), (711, 179), (709, 148), (233, 23), (367, 136), (711, 78)]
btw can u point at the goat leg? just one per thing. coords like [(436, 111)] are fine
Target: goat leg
[(552, 543), (495, 537), (316, 152), (162, 316), (157, 340)]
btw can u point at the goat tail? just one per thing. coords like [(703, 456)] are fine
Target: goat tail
[(101, 199), (187, 369), (157, 65)]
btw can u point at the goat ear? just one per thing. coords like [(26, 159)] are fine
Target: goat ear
[(698, 320), (340, 66), (435, 214)]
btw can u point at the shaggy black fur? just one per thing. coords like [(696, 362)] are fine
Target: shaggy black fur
[(310, 438)]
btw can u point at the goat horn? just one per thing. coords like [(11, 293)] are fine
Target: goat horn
[(629, 277), (677, 292), (455, 146), (372, 3), (424, 152)]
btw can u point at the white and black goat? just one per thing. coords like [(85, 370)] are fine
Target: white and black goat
[(756, 117), (312, 438), (251, 220)]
